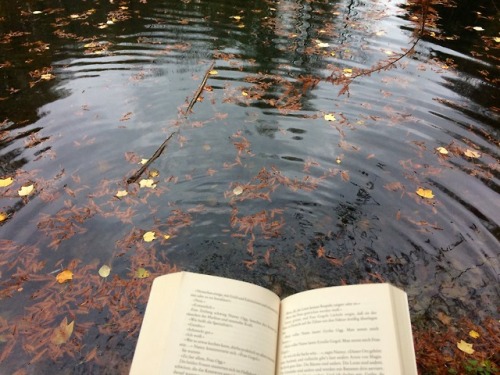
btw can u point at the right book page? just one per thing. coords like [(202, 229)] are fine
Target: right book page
[(355, 329)]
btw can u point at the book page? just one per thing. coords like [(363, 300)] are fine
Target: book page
[(348, 330), (215, 326)]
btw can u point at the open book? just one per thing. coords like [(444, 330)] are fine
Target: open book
[(199, 324)]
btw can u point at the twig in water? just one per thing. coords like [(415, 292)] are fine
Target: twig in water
[(162, 147)]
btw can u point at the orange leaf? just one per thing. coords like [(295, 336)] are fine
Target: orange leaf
[(345, 176), (64, 276), (62, 333)]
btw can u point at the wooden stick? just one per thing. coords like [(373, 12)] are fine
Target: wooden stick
[(162, 147), (155, 156), (200, 89)]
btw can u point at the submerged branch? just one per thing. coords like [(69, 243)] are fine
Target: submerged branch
[(199, 90), (383, 65), (155, 156), (162, 147)]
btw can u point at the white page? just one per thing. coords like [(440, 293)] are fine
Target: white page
[(216, 325), (347, 330)]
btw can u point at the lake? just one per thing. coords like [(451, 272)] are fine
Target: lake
[(333, 142)]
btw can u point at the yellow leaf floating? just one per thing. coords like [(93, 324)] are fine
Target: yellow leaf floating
[(465, 347), (154, 173), (3, 216), (64, 276), (121, 193), (472, 154), (425, 193), (26, 190), (347, 72), (143, 161), (166, 236), (4, 182), (149, 236), (237, 190), (141, 273), (474, 334), (330, 117), (104, 271), (213, 72), (47, 77), (442, 150), (147, 182), (61, 334)]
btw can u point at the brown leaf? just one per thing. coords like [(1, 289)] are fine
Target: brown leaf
[(394, 186), (62, 333), (443, 318), (334, 261), (345, 176)]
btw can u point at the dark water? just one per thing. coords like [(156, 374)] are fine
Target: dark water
[(89, 88)]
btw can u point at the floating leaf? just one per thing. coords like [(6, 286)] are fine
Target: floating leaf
[(37, 12), (166, 236), (237, 190), (4, 182), (3, 216), (330, 117), (149, 236), (154, 173), (465, 347), (213, 72), (143, 161), (321, 44), (478, 28), (244, 93), (347, 72), (26, 190), (61, 334), (141, 273), (121, 193), (442, 150), (425, 193), (149, 183), (237, 18), (64, 276), (47, 77), (472, 154), (443, 318), (496, 39), (474, 334), (104, 271)]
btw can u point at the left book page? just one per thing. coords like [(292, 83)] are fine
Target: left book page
[(199, 324)]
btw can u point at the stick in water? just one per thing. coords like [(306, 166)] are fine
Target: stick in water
[(162, 147)]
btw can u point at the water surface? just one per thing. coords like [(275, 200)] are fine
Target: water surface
[(89, 89)]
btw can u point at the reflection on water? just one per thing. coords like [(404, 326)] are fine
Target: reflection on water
[(328, 181)]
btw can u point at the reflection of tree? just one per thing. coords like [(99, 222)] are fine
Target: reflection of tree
[(450, 26)]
